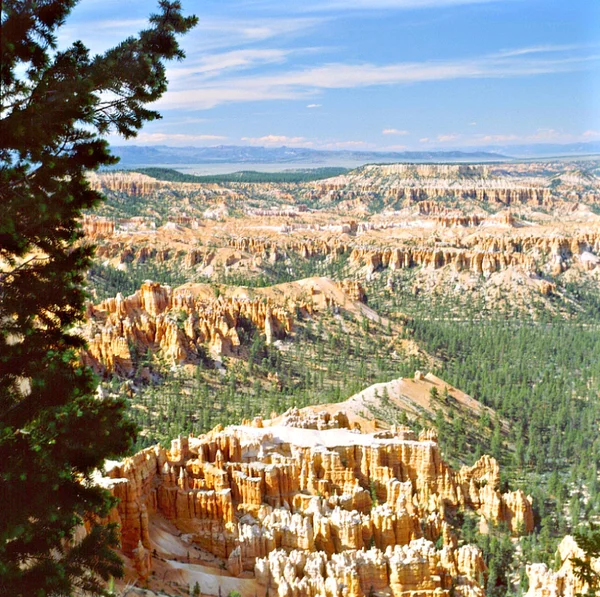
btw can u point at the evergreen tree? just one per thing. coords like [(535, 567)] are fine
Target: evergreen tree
[(582, 567), (55, 105)]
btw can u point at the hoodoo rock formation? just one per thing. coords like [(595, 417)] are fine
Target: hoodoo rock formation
[(95, 227), (461, 260), (307, 506), (174, 322), (480, 253)]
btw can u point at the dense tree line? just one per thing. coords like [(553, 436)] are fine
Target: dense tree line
[(249, 176), (328, 360)]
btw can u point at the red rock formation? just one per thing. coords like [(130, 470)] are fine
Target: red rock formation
[(96, 227)]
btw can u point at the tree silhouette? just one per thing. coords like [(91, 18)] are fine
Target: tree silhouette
[(582, 567), (55, 105)]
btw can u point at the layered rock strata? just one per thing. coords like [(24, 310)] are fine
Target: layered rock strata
[(497, 186), (313, 508), (481, 253)]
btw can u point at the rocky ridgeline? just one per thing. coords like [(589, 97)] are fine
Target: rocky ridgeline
[(129, 183), (555, 250), (312, 508), (477, 262), (136, 184), (183, 197), (175, 323), (480, 253), (411, 183)]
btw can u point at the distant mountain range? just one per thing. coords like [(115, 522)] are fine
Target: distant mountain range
[(138, 155), (135, 155)]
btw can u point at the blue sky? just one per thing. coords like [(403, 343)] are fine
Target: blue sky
[(370, 74)]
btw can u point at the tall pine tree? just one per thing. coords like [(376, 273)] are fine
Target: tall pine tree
[(55, 105)]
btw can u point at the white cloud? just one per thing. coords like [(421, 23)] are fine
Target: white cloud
[(394, 132), (447, 138), (497, 138), (590, 135), (347, 145), (313, 106), (297, 84), (215, 64), (443, 138), (472, 124), (175, 138), (230, 32), (276, 140), (542, 135), (211, 33)]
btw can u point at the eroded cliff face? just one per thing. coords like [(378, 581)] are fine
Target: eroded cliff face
[(175, 323), (136, 184), (310, 507), (481, 253), (495, 186)]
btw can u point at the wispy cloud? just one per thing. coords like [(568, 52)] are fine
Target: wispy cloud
[(211, 33), (394, 132), (218, 33), (347, 145), (448, 138), (295, 84), (540, 135), (176, 138), (312, 106), (101, 34), (279, 140), (590, 135), (443, 138), (540, 49), (213, 65), (327, 5), (276, 140)]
